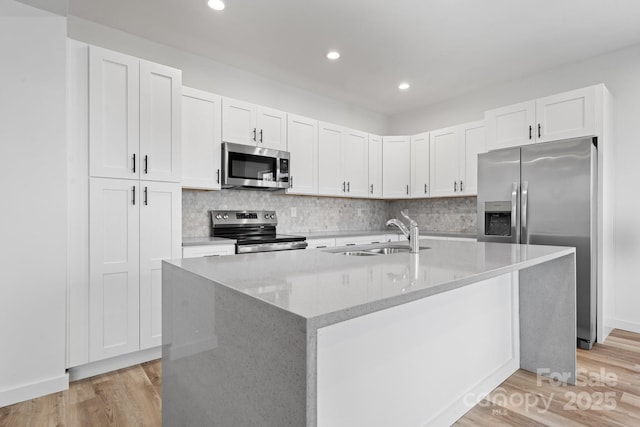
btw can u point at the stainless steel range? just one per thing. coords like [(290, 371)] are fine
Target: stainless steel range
[(254, 231)]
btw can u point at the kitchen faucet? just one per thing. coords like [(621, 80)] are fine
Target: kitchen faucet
[(412, 233)]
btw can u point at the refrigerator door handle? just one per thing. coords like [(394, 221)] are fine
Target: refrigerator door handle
[(515, 231), (525, 202)]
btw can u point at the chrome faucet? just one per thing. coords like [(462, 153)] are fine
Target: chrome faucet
[(412, 233)]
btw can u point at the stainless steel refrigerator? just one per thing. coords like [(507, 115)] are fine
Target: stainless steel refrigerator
[(546, 194)]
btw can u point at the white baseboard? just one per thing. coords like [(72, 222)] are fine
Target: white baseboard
[(34, 390), (626, 326), (113, 364)]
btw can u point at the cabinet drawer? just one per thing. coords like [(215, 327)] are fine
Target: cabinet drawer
[(208, 250)]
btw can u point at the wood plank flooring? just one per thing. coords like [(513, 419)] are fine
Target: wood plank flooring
[(608, 396)]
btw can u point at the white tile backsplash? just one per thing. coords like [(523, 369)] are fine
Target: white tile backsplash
[(314, 214)]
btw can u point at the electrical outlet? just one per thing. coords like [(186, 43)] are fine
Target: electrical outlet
[(293, 212)]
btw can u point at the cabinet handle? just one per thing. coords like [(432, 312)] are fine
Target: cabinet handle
[(371, 188), (407, 189), (350, 244), (455, 186), (344, 186), (321, 246), (146, 163), (133, 195), (530, 131), (539, 130), (461, 189), (218, 176), (291, 181), (134, 162), (146, 196), (254, 134), (260, 135), (425, 189), (349, 187)]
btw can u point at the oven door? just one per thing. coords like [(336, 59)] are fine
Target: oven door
[(254, 167)]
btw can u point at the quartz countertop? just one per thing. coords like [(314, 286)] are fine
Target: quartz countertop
[(326, 287), (206, 240), (347, 233)]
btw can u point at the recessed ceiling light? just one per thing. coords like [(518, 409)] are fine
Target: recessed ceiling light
[(216, 4), (404, 86), (333, 55)]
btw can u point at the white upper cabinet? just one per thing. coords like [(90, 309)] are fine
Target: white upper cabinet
[(355, 162), (302, 144), (113, 114), (420, 165), (250, 124), (472, 143), (454, 157), (375, 166), (565, 115), (272, 128), (160, 238), (160, 122), (444, 158), (201, 139), (510, 126), (134, 118), (330, 182), (396, 168)]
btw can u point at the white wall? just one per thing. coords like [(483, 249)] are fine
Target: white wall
[(212, 76), (620, 71), (33, 218)]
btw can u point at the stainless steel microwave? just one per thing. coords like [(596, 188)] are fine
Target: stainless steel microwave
[(246, 166)]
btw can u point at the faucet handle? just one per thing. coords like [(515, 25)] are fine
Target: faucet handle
[(405, 214)]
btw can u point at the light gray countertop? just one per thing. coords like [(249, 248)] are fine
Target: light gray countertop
[(202, 241), (326, 287)]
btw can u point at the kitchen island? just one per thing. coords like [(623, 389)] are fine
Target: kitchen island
[(318, 338)]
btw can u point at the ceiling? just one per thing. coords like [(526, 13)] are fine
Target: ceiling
[(444, 48)]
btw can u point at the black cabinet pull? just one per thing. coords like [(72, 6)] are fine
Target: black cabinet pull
[(349, 187), (218, 176), (425, 189), (344, 186), (133, 197), (254, 134), (455, 186), (146, 164), (530, 131), (461, 185), (146, 200), (260, 135), (407, 189), (134, 162), (539, 130), (371, 188), (291, 181)]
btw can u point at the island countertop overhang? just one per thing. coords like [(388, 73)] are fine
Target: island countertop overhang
[(324, 287)]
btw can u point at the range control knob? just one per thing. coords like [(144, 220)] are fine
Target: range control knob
[(272, 216), (225, 216), (218, 216), (266, 216)]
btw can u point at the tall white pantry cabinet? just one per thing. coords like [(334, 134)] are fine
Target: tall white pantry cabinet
[(130, 110)]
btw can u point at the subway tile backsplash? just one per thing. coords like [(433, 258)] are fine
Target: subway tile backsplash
[(326, 213)]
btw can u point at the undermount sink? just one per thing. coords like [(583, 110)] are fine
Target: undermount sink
[(385, 250)]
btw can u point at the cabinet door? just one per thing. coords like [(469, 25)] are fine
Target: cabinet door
[(355, 162), (472, 143), (420, 165), (239, 122), (114, 221), (510, 126), (396, 166), (113, 114), (272, 128), (160, 238), (330, 181), (201, 139), (444, 158), (566, 115), (375, 166), (160, 122), (302, 144)]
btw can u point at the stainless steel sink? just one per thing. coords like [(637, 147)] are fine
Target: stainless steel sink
[(384, 250)]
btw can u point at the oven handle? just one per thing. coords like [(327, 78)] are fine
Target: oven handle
[(270, 247)]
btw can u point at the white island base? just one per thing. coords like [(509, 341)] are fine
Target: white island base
[(423, 351)]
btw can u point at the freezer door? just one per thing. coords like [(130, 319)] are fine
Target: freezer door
[(559, 205), (498, 196)]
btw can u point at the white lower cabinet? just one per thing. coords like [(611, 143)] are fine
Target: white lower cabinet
[(133, 225), (208, 250)]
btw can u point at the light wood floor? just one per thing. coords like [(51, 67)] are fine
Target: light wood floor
[(131, 397)]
